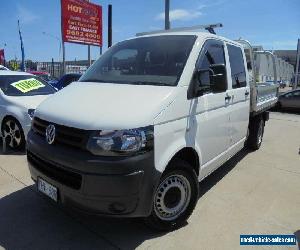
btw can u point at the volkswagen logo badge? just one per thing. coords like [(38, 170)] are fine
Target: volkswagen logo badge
[(50, 134)]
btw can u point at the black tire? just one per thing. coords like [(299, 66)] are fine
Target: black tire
[(17, 142), (256, 132), (177, 171)]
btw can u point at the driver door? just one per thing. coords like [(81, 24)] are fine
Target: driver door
[(212, 108)]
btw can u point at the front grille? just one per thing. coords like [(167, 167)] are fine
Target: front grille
[(64, 135), (55, 172)]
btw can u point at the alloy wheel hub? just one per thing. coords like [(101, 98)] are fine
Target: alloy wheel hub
[(12, 134)]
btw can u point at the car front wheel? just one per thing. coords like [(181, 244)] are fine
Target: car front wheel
[(175, 197), (13, 134)]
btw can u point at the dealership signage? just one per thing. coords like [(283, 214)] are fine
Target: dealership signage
[(81, 22)]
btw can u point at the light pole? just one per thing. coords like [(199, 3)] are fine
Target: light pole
[(167, 14), (59, 41), (109, 26), (4, 61), (297, 66)]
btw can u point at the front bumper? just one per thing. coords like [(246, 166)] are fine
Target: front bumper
[(26, 129), (112, 186)]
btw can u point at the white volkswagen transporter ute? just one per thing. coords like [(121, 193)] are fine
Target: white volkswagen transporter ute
[(151, 118)]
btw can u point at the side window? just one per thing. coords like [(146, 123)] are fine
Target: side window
[(296, 94), (288, 95), (248, 59), (238, 74), (124, 60), (211, 65)]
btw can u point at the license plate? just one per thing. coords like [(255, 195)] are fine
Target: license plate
[(47, 189)]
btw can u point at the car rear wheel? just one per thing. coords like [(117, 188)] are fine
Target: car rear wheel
[(13, 134), (175, 197), (256, 132)]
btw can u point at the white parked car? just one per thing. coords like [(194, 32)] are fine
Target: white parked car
[(148, 120), (3, 68), (20, 94)]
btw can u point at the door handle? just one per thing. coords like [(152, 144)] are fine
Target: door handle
[(247, 93)]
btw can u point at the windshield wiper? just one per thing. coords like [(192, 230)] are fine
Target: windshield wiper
[(134, 83), (92, 80), (150, 83)]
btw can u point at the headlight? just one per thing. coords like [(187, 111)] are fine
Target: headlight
[(31, 112), (121, 142)]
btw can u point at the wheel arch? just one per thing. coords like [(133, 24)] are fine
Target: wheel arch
[(189, 155), (14, 112), (6, 117)]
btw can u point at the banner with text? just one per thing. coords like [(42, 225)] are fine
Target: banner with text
[(81, 22)]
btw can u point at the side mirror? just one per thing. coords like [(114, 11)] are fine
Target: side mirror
[(203, 76), (219, 78), (213, 79)]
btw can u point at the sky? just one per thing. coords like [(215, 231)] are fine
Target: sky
[(274, 24)]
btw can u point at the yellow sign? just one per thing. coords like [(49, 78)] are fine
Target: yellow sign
[(28, 85)]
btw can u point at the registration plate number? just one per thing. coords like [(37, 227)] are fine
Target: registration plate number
[(47, 189)]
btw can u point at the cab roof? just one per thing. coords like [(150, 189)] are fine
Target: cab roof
[(200, 34)]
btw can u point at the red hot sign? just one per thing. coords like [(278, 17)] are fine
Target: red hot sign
[(81, 22)]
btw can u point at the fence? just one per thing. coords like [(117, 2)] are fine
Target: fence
[(55, 69)]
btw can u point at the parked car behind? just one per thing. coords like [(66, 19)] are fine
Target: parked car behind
[(45, 76), (289, 100), (65, 80), (3, 68), (20, 94)]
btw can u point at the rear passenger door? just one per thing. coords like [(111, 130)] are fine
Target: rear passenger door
[(239, 92)]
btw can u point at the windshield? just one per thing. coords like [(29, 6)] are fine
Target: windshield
[(157, 60), (44, 77), (24, 85)]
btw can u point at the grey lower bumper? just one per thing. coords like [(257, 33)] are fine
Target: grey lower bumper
[(121, 186)]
